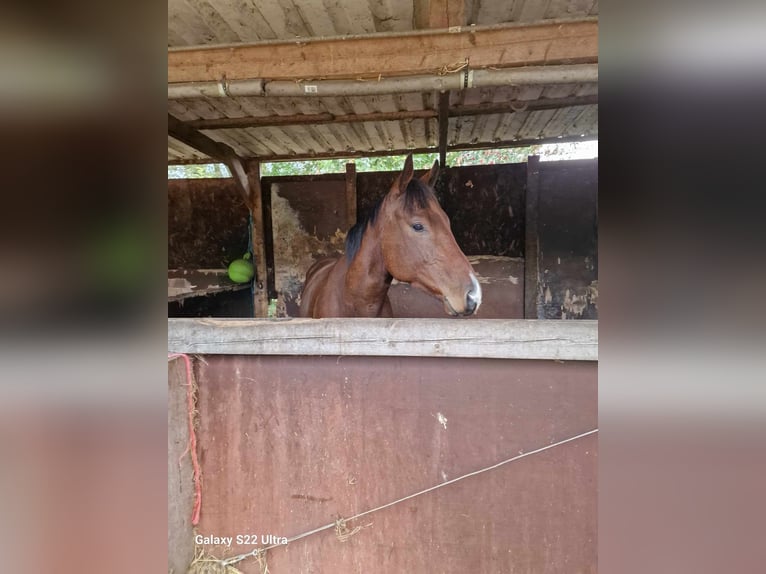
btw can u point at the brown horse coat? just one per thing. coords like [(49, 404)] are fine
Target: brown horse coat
[(408, 237)]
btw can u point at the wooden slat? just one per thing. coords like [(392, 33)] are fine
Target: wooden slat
[(533, 10), (260, 294), (439, 13), (532, 240), (495, 338), (443, 127), (550, 42), (351, 193)]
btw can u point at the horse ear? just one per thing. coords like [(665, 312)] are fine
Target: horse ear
[(430, 176), (405, 177)]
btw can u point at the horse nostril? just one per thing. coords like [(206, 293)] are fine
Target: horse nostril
[(473, 296), (470, 302)]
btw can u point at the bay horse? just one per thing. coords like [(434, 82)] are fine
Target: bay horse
[(406, 236)]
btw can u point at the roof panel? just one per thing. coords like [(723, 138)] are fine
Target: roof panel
[(195, 22)]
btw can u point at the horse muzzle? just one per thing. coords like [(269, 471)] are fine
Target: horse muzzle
[(471, 302)]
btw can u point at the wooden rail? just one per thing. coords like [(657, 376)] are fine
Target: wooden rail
[(478, 338)]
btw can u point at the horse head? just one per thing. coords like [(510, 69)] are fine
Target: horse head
[(418, 246)]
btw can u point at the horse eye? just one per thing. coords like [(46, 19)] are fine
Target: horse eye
[(418, 227)]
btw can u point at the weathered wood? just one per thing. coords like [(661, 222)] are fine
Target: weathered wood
[(189, 283), (506, 45), (328, 118), (438, 13), (260, 287), (493, 338), (180, 485), (532, 240), (351, 193), (214, 149), (443, 127)]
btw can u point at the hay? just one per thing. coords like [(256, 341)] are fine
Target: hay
[(205, 563)]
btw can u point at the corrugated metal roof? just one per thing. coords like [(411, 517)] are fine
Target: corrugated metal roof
[(197, 22), (194, 22)]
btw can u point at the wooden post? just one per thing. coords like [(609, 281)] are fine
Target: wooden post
[(532, 296), (443, 127), (260, 291), (351, 193)]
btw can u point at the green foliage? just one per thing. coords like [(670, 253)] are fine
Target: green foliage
[(197, 171), (395, 163)]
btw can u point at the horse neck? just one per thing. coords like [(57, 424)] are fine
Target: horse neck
[(367, 279)]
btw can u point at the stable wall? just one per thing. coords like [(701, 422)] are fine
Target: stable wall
[(306, 217), (291, 443)]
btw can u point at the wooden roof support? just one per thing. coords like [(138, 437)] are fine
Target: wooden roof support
[(438, 13), (328, 118), (252, 171), (443, 127), (214, 149), (373, 56)]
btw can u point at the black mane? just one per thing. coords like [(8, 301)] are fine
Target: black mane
[(416, 195)]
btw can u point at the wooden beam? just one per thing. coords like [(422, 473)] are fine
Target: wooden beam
[(328, 118), (260, 286), (214, 149), (404, 151), (396, 54), (532, 293), (478, 338), (443, 127), (351, 193), (438, 13)]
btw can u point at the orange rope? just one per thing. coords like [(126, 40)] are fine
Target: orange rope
[(192, 446)]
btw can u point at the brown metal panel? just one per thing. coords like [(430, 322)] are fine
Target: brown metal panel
[(290, 444)]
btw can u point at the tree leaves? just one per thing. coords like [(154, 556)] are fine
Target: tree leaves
[(552, 151)]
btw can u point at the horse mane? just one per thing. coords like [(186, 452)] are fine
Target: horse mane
[(416, 195)]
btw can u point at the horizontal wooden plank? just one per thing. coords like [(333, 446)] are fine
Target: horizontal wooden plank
[(372, 56), (487, 338)]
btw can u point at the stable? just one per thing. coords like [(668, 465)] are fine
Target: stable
[(414, 444)]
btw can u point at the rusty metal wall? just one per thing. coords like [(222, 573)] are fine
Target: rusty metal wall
[(568, 230), (290, 444), (207, 223)]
